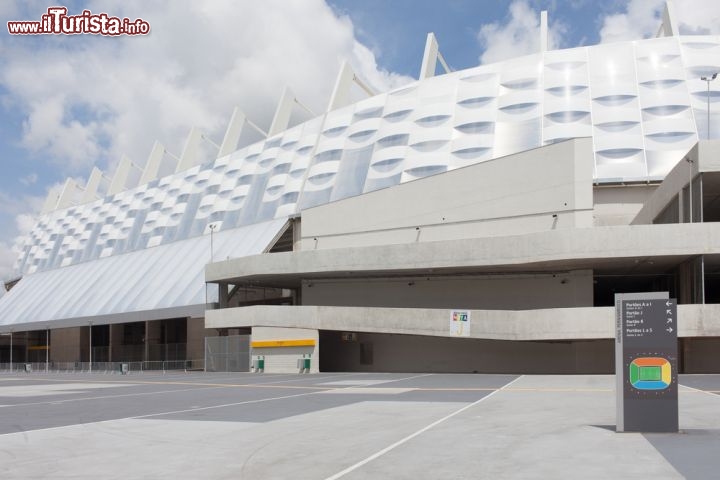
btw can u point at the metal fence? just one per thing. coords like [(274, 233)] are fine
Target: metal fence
[(227, 354), (118, 353), (104, 367)]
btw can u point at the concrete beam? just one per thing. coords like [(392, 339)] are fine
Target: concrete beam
[(281, 120), (119, 180), (519, 325), (668, 28), (341, 93), (51, 200), (569, 249), (232, 134), (152, 167), (69, 194), (190, 155), (430, 58), (92, 185)]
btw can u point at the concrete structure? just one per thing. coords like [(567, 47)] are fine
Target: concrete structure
[(518, 196), (532, 260)]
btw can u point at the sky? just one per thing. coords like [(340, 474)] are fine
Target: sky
[(71, 102)]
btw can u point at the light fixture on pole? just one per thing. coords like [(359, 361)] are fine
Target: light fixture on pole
[(690, 195), (212, 227), (708, 79), (90, 345)]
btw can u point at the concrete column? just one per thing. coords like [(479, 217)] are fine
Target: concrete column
[(146, 355), (116, 341), (223, 295), (152, 337), (196, 333)]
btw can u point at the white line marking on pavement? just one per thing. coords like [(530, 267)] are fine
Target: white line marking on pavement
[(413, 435), (699, 390), (192, 409), (68, 400), (410, 378)]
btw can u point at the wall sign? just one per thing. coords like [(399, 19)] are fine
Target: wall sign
[(460, 323)]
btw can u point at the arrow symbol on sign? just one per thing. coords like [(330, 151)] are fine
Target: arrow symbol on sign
[(668, 303), (669, 329), (668, 312), (669, 320)]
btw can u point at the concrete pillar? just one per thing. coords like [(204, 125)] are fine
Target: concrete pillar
[(116, 341), (223, 295), (146, 355), (152, 337), (196, 333)]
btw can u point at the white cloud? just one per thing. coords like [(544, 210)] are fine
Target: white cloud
[(88, 99), (20, 213), (519, 35), (642, 19), (7, 259), (25, 223), (30, 179)]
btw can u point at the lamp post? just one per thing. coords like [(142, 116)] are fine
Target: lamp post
[(708, 79), (90, 345), (212, 227), (11, 345), (690, 180)]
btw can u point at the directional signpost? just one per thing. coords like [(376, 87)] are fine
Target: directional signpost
[(646, 362)]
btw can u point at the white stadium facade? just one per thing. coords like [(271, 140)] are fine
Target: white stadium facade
[(473, 221)]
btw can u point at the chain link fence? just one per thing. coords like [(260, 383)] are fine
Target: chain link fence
[(227, 354)]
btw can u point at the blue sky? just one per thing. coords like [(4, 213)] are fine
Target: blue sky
[(68, 103), (386, 28)]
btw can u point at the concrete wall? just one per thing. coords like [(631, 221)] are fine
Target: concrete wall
[(284, 359), (196, 333), (493, 292), (66, 343), (561, 340), (671, 186), (704, 157), (542, 189), (619, 204), (414, 353), (701, 355)]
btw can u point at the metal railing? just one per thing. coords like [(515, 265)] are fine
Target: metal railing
[(104, 367)]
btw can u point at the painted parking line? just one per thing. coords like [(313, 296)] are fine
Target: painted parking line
[(196, 409), (188, 384), (150, 415), (82, 399), (714, 393), (406, 439)]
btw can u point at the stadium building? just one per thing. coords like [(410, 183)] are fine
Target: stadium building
[(473, 221)]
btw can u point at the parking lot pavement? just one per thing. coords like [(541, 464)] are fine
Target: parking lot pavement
[(330, 426)]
